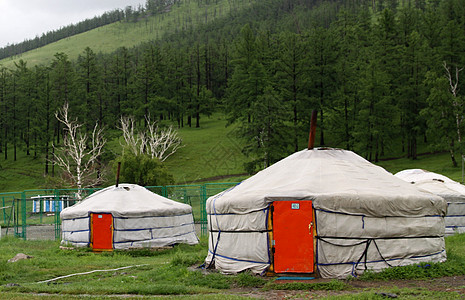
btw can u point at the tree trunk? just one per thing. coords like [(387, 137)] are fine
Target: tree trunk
[(46, 158), (452, 156)]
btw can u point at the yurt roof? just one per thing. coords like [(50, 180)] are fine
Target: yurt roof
[(336, 180), (434, 183), (414, 175), (126, 200)]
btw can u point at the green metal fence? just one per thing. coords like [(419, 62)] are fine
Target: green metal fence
[(36, 208)]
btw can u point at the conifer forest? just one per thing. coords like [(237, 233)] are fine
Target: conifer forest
[(380, 73)]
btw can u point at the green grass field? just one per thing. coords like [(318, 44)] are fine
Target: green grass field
[(211, 153), (172, 272), (107, 39), (438, 163), (25, 173)]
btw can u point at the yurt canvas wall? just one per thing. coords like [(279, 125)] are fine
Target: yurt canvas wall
[(127, 216), (327, 206), (452, 191)]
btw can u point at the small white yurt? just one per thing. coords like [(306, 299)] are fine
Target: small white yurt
[(327, 212), (452, 191), (127, 216)]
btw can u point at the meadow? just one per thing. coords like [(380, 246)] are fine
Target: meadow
[(54, 273), (211, 153), (129, 34)]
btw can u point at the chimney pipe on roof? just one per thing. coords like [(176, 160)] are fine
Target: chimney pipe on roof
[(117, 173), (311, 137)]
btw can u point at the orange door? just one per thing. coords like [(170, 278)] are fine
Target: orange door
[(102, 231), (293, 236)]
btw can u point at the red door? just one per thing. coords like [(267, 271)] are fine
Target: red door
[(293, 236), (102, 231)]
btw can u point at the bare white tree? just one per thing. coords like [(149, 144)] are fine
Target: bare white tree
[(157, 142), (75, 157), (456, 102), (133, 141)]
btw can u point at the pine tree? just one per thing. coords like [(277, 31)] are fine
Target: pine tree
[(88, 86), (322, 74), (291, 79)]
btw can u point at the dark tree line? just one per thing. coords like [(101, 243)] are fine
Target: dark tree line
[(376, 71)]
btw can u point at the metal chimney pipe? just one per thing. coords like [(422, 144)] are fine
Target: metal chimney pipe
[(311, 137), (117, 173)]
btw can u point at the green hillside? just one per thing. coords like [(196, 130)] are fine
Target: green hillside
[(211, 153), (373, 70), (187, 14)]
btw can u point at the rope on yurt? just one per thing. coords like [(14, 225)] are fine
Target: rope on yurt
[(364, 255), (379, 252), (218, 225), (363, 216), (268, 235), (339, 245), (210, 265)]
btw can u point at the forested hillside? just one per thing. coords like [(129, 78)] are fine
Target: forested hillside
[(385, 76), (68, 31), (154, 21)]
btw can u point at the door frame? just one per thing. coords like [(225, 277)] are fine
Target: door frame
[(91, 219), (271, 236)]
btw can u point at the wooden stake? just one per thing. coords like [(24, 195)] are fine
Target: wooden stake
[(311, 137)]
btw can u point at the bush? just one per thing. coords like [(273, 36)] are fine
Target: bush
[(143, 170)]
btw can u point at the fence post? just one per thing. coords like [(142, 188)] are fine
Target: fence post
[(203, 210), (164, 191), (57, 214), (23, 215), (4, 216)]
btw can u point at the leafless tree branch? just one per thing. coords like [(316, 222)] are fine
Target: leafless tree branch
[(155, 141), (75, 157), (456, 103)]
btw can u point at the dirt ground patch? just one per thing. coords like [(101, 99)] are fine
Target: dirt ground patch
[(455, 284), (36, 232)]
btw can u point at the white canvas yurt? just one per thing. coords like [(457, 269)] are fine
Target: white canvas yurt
[(127, 216), (324, 211), (452, 191)]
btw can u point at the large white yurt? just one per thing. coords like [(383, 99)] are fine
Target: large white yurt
[(127, 216), (452, 191), (324, 211)]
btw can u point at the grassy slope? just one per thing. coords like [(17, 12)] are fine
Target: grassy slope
[(108, 38), (211, 151), (438, 163), (25, 173)]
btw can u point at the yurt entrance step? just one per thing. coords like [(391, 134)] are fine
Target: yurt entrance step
[(292, 244), (102, 231)]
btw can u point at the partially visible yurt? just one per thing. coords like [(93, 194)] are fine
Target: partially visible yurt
[(127, 216), (414, 175), (452, 191), (327, 212)]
